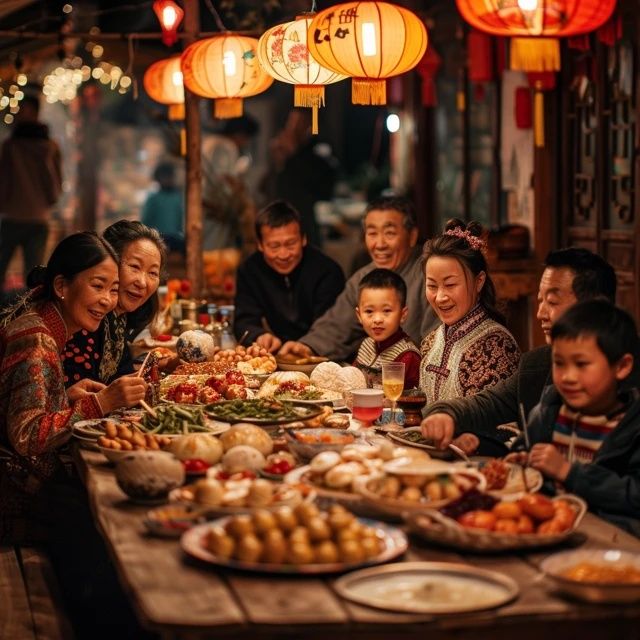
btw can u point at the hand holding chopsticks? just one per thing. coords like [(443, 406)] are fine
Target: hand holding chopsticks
[(527, 442)]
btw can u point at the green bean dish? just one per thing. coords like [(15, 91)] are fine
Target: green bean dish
[(173, 419), (261, 411)]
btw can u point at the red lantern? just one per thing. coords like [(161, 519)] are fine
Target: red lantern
[(535, 25), (170, 16)]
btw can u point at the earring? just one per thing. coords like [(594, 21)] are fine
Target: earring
[(61, 297)]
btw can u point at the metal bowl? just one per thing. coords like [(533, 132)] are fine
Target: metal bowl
[(603, 592)]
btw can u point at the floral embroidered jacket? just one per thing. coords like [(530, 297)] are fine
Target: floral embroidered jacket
[(35, 413), (474, 353)]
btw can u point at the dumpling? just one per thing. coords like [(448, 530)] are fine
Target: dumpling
[(242, 458)]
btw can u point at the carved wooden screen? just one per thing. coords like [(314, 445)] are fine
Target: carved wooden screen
[(600, 141)]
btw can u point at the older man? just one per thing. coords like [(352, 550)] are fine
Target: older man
[(570, 275), (390, 234), (285, 285)]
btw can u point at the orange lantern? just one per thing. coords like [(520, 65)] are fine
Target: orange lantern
[(225, 68), (283, 54), (163, 82), (170, 16), (535, 25), (370, 41)]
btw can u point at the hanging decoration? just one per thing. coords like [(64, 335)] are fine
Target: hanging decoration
[(163, 83), (170, 16), (369, 41), (535, 25), (428, 68), (284, 55), (225, 68)]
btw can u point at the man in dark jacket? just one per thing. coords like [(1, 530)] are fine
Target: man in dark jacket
[(285, 285), (570, 275)]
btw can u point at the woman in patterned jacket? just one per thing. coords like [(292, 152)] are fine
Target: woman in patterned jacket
[(76, 289), (471, 350)]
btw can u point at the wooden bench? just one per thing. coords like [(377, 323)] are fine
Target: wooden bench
[(29, 600)]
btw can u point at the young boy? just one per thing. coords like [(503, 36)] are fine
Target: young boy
[(585, 432), (382, 297)]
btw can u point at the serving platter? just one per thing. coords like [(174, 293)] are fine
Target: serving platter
[(404, 436), (302, 474), (394, 540), (172, 520), (250, 410), (515, 483), (428, 588)]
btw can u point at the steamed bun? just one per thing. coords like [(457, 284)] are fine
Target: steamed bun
[(329, 375)]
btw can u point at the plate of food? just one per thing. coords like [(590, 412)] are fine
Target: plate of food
[(281, 542), (412, 437), (174, 420), (505, 478), (262, 411), (481, 522), (428, 588), (596, 575), (172, 520)]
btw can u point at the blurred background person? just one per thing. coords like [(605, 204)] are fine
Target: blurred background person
[(164, 209), (303, 170), (30, 185)]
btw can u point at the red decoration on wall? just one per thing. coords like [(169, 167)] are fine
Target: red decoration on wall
[(480, 56), (170, 16), (428, 68)]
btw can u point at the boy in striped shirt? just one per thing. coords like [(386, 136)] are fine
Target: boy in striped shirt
[(585, 433)]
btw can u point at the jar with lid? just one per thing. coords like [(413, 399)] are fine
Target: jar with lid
[(190, 310)]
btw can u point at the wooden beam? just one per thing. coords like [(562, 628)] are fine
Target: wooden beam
[(193, 222)]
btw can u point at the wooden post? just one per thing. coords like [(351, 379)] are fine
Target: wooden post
[(193, 223)]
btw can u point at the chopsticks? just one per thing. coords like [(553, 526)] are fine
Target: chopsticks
[(527, 443), (150, 410)]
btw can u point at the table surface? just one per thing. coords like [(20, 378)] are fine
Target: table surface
[(181, 598)]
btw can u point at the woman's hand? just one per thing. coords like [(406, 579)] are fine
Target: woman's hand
[(439, 428), (518, 457), (123, 392), (547, 459), (83, 388)]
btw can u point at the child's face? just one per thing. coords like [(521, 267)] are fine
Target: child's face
[(584, 377), (380, 312)]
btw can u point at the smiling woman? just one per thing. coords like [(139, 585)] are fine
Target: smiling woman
[(74, 291), (471, 350), (101, 353)]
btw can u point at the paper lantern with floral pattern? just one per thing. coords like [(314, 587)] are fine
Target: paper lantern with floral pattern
[(163, 82), (225, 68), (369, 41), (284, 55), (535, 25)]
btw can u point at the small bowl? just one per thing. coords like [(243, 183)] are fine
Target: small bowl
[(593, 591), (148, 476), (306, 443)]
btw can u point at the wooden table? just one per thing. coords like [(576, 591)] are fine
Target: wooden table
[(180, 598)]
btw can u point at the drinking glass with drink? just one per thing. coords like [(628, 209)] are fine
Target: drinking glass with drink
[(367, 405), (393, 385)]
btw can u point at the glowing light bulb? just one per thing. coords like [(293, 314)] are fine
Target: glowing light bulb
[(369, 39), (169, 17), (176, 78), (229, 63), (528, 5), (393, 122)]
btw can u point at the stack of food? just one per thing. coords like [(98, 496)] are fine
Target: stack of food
[(295, 385)]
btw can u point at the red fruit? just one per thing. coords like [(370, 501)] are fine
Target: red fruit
[(163, 337), (195, 465)]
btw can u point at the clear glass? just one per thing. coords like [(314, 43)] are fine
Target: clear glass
[(393, 385)]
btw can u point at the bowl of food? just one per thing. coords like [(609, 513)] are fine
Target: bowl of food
[(307, 443), (596, 575)]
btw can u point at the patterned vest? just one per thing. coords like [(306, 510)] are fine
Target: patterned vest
[(369, 361)]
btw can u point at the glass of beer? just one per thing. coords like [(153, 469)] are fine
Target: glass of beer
[(393, 384), (367, 405)]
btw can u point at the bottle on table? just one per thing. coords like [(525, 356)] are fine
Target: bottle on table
[(227, 339)]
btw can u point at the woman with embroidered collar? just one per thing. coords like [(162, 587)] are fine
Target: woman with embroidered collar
[(471, 349), (76, 289), (103, 355)]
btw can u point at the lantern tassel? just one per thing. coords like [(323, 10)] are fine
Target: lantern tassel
[(183, 141), (309, 96), (538, 116), (535, 54), (225, 108), (176, 111), (367, 91)]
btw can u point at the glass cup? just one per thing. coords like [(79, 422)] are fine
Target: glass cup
[(367, 405), (393, 385)]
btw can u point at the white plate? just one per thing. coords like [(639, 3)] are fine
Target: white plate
[(514, 486), (428, 588), (395, 544)]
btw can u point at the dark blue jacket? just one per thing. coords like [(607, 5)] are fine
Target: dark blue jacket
[(611, 483)]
